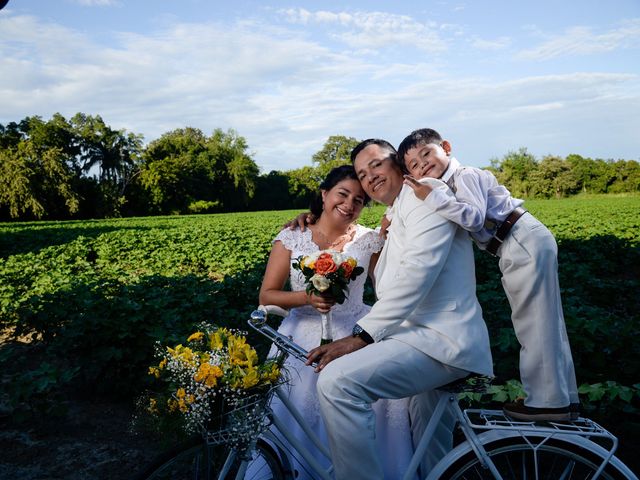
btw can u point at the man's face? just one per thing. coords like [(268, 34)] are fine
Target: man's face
[(379, 176), (430, 160)]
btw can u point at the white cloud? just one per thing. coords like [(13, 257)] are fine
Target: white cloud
[(97, 3), (583, 41), (373, 30), (483, 117), (494, 44), (557, 114), (286, 92), (543, 107)]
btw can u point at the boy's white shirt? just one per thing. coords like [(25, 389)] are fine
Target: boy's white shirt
[(480, 202)]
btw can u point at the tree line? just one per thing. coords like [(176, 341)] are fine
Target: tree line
[(82, 168)]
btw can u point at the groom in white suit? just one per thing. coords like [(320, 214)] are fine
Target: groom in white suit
[(425, 329)]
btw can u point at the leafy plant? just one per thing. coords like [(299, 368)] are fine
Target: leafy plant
[(84, 302)]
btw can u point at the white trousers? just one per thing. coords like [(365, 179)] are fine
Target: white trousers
[(529, 266), (387, 369)]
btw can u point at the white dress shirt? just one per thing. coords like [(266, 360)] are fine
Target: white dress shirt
[(480, 203), (425, 284)]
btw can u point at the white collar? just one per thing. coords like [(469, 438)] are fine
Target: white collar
[(454, 165)]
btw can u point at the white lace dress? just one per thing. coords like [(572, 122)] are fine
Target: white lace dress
[(303, 324)]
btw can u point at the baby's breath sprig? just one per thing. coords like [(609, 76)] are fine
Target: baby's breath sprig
[(210, 377)]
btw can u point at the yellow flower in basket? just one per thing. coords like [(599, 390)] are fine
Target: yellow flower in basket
[(208, 374), (182, 353), (240, 353), (217, 369), (271, 373), (194, 337), (216, 340), (251, 379)]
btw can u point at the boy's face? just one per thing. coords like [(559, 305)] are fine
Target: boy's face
[(430, 160)]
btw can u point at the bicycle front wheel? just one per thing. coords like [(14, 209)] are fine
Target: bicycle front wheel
[(516, 459), (195, 460)]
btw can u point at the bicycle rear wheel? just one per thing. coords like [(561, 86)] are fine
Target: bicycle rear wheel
[(555, 459), (195, 460)]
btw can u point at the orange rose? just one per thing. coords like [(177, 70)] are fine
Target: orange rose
[(325, 264), (347, 268)]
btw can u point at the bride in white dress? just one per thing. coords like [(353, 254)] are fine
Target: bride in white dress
[(337, 207)]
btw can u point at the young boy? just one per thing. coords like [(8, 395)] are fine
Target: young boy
[(528, 261)]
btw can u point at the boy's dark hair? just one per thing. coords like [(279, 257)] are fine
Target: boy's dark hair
[(393, 154), (335, 176), (422, 136)]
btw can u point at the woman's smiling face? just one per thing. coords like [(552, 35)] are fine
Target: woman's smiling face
[(344, 202)]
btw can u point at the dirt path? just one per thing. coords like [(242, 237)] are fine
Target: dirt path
[(93, 441)]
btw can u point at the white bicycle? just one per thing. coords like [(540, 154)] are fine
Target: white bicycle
[(495, 446)]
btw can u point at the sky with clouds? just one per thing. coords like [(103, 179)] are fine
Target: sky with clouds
[(555, 77)]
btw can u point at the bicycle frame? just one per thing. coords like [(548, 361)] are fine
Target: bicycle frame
[(286, 345), (325, 474), (492, 422)]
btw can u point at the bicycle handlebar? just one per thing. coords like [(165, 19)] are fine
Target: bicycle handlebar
[(258, 322)]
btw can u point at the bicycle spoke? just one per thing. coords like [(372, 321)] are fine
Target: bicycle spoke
[(519, 461), (566, 474)]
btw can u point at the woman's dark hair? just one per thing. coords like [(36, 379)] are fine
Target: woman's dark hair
[(335, 176)]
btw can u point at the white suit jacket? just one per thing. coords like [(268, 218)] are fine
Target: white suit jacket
[(426, 288)]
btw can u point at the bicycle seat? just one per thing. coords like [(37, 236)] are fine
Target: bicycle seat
[(474, 382)]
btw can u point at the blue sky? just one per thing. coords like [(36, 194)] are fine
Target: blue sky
[(555, 77)]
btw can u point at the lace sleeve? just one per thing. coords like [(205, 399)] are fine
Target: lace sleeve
[(372, 241), (288, 238)]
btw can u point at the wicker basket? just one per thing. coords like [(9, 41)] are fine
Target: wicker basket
[(239, 419)]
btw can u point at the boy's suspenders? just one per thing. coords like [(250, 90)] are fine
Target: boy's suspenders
[(451, 183)]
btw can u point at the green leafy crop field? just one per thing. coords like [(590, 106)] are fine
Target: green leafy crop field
[(88, 299)]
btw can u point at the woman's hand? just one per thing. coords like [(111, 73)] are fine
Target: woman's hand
[(322, 302)]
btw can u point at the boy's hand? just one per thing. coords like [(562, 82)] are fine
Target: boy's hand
[(421, 190), (384, 226), (301, 221)]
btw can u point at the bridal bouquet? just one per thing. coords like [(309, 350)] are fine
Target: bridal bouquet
[(328, 271), (212, 373)]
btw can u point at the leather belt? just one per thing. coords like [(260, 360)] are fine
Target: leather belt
[(503, 230)]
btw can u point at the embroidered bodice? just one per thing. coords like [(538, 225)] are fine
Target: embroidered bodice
[(364, 243)]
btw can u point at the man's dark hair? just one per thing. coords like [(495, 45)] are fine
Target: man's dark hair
[(417, 138), (393, 155)]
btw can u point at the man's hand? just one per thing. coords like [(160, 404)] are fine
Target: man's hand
[(384, 226), (421, 191), (326, 353), (301, 221)]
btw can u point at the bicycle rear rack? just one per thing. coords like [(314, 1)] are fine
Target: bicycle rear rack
[(496, 419), (482, 419)]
